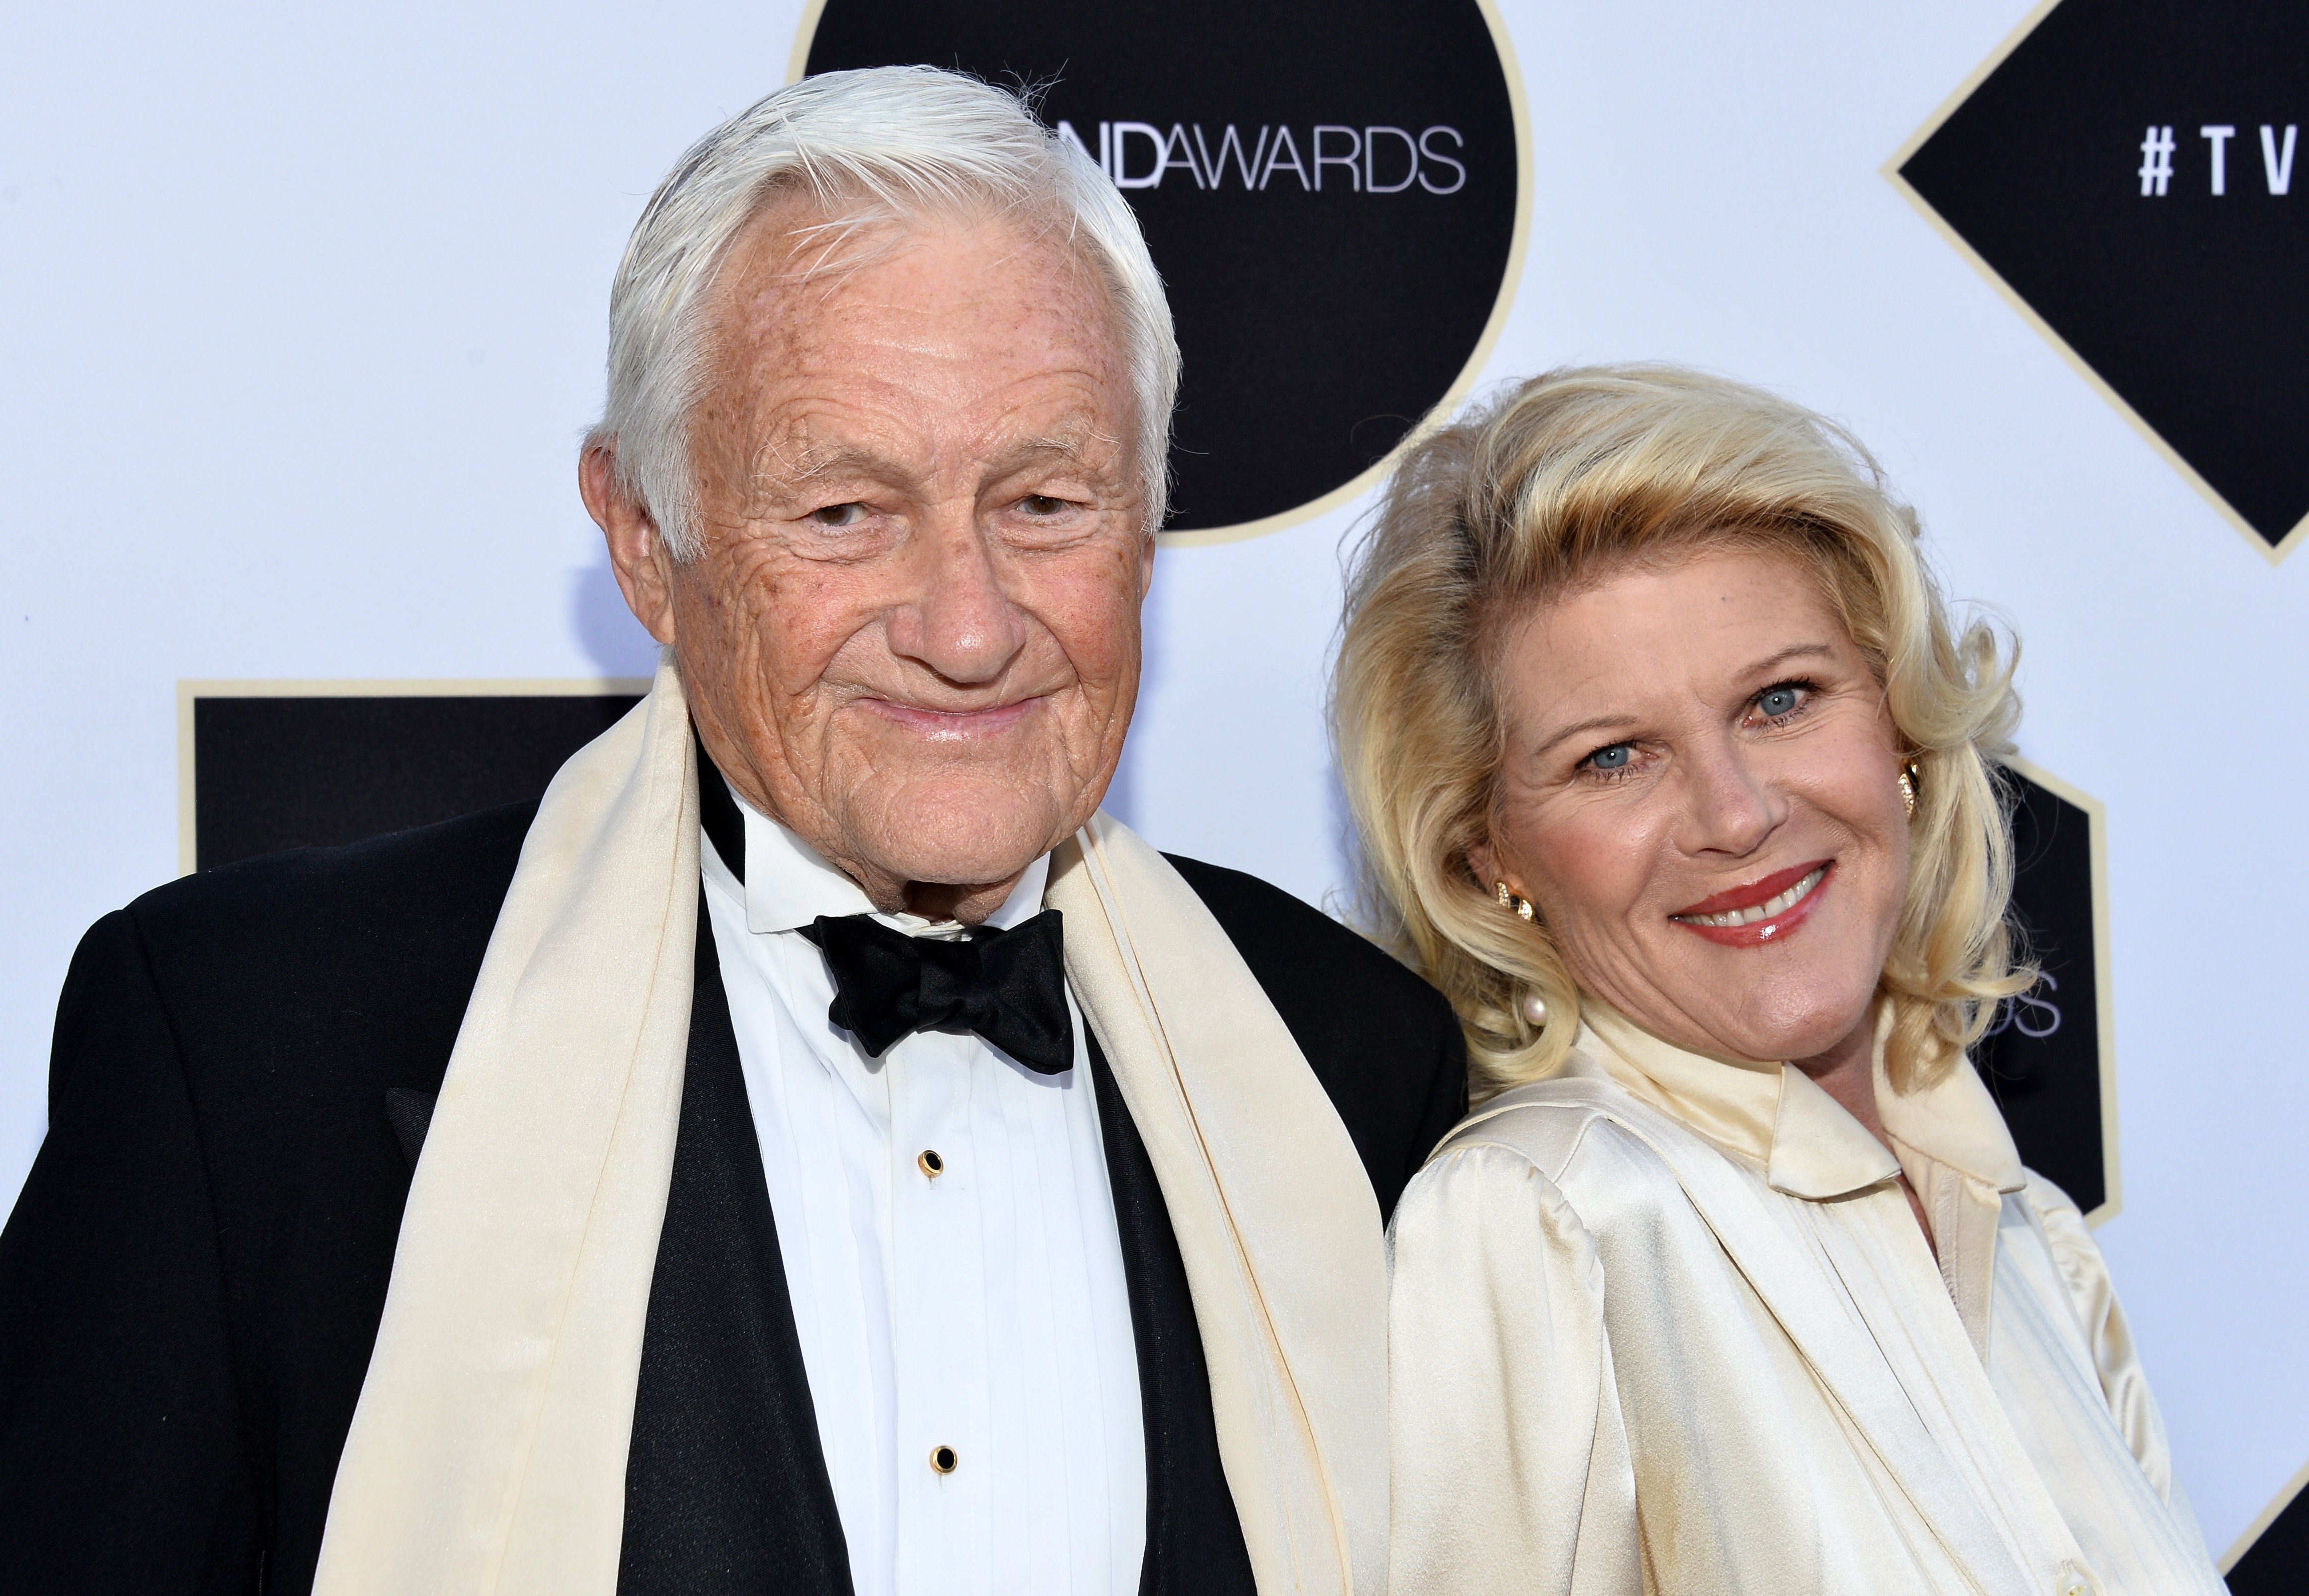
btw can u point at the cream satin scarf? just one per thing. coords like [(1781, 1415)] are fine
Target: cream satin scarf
[(488, 1454)]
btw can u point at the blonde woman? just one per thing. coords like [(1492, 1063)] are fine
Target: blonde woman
[(1674, 774)]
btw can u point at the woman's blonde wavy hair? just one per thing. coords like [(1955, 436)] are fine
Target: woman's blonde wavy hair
[(1552, 485)]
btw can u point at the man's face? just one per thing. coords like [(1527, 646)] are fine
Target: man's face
[(912, 631)]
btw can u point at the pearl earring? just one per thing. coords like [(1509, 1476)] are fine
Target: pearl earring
[(1535, 1009)]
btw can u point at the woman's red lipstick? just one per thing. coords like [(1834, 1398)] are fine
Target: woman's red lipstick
[(1787, 899)]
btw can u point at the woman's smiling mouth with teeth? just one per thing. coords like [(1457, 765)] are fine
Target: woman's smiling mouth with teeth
[(1770, 906)]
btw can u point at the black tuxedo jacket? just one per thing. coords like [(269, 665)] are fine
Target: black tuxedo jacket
[(244, 1068)]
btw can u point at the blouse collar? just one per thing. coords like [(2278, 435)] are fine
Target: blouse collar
[(1775, 1117)]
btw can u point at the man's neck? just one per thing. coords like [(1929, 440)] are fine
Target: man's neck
[(932, 901), (941, 900)]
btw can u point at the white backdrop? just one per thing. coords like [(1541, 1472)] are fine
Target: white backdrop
[(301, 313)]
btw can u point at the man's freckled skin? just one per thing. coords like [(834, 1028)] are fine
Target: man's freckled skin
[(912, 631)]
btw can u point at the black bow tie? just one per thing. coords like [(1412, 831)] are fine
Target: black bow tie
[(1008, 987)]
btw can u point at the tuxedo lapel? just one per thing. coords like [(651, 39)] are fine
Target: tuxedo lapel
[(726, 1488), (1194, 1539)]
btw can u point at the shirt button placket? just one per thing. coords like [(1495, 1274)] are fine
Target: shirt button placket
[(935, 1323)]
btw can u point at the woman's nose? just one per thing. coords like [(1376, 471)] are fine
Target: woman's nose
[(1731, 806)]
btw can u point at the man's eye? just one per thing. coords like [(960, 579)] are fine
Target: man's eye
[(1041, 504), (839, 515)]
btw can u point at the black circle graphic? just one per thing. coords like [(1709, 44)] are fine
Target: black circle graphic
[(1330, 191)]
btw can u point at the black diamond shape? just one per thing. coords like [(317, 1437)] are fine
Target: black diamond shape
[(2045, 1053), (2271, 1565), (2192, 307)]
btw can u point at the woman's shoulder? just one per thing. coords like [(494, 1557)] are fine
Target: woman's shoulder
[(1535, 1194), (1579, 1133), (2065, 1238)]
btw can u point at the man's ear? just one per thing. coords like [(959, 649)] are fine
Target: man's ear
[(637, 554)]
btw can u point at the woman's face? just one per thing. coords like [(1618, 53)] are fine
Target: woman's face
[(1701, 794)]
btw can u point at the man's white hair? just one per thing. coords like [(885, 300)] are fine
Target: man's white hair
[(898, 142)]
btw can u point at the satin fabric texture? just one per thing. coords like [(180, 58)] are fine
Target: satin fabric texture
[(1663, 1322), (488, 1448)]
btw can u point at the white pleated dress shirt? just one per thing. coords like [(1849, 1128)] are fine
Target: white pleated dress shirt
[(982, 1308)]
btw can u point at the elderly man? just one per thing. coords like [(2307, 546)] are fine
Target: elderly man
[(813, 1149)]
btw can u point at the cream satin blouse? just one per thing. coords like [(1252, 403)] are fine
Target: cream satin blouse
[(1663, 1322)]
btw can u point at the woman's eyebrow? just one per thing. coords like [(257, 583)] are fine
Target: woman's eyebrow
[(1792, 652), (1592, 723)]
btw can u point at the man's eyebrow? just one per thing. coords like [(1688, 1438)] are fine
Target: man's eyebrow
[(1060, 445), (775, 471), (811, 463), (779, 474)]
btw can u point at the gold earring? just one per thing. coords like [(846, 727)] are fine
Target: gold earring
[(1508, 900), (1908, 776)]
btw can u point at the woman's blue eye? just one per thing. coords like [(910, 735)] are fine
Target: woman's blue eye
[(1614, 758), (1777, 701)]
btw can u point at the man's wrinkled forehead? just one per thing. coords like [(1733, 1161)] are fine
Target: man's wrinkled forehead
[(800, 253), (824, 369)]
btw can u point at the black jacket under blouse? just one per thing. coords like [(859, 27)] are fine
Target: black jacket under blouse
[(245, 1063)]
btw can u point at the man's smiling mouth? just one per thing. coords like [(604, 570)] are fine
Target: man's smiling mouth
[(942, 724)]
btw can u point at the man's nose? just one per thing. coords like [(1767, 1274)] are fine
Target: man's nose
[(958, 622), (1731, 806)]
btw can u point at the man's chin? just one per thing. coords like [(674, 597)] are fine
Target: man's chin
[(959, 849)]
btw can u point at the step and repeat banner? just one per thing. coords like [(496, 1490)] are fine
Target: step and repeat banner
[(302, 316)]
